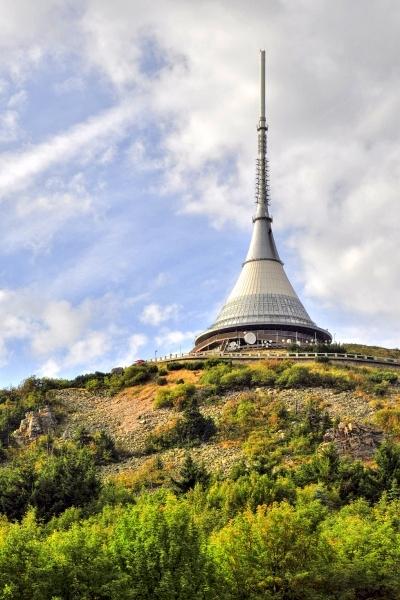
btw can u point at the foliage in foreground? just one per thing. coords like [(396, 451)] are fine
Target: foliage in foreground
[(327, 528), (161, 548)]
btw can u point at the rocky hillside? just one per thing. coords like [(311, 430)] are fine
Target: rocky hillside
[(360, 405)]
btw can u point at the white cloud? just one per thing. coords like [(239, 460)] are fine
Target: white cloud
[(60, 325), (19, 168), (35, 218), (9, 126), (93, 346), (71, 84), (135, 343), (50, 326), (170, 340), (162, 279), (51, 368), (154, 314)]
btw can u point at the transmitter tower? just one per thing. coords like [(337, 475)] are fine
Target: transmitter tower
[(263, 308)]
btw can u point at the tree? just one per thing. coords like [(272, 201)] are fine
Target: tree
[(190, 474), (68, 478), (388, 461), (159, 548), (193, 427)]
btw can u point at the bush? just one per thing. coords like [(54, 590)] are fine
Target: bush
[(161, 381), (296, 376), (237, 378), (381, 389), (136, 374), (207, 394), (193, 427), (304, 376), (93, 384), (188, 430), (380, 376), (262, 375), (389, 420), (323, 360), (213, 362), (100, 444), (238, 417), (195, 365), (175, 366), (177, 397), (213, 374)]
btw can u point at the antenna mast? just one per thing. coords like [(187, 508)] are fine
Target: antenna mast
[(262, 188)]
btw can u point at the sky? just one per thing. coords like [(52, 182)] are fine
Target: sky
[(127, 160)]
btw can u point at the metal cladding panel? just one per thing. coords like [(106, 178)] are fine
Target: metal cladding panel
[(262, 277), (263, 309), (262, 295), (262, 245)]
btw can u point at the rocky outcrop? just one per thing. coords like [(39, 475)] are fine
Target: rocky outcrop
[(354, 440), (35, 423)]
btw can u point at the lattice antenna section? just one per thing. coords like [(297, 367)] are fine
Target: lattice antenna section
[(262, 168)]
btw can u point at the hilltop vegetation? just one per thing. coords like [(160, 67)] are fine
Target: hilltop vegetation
[(148, 506)]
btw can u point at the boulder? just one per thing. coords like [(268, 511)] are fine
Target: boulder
[(35, 423), (354, 439)]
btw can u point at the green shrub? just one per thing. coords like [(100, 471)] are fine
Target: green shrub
[(177, 397), (114, 383), (161, 381), (261, 375), (380, 376), (304, 376), (175, 366), (93, 384), (163, 398), (237, 378), (50, 484), (389, 420), (188, 430), (100, 443), (381, 389), (136, 374), (193, 427), (207, 394), (213, 374), (190, 474), (296, 376), (195, 365), (213, 362), (238, 417), (323, 360)]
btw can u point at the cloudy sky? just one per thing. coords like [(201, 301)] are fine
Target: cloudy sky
[(127, 147)]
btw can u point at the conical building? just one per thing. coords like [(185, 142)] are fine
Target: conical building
[(263, 309)]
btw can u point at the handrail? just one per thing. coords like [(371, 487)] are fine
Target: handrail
[(173, 357)]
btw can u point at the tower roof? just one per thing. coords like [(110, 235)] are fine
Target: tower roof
[(263, 297)]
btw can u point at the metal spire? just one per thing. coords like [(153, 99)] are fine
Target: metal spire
[(262, 245), (262, 188)]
